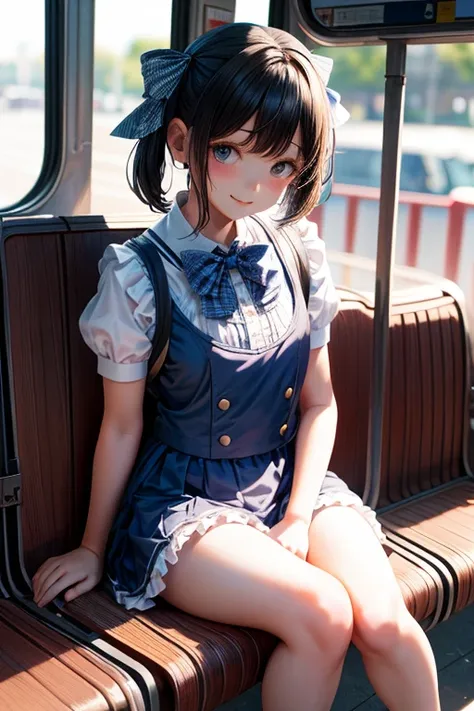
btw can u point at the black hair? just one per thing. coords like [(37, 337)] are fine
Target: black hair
[(238, 71)]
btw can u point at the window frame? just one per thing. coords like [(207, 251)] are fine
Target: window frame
[(54, 92)]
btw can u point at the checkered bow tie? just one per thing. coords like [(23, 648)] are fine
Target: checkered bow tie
[(208, 275)]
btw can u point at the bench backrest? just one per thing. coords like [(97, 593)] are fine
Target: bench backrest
[(425, 409), (51, 273)]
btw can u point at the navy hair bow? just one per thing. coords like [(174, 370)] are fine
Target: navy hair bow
[(162, 70), (208, 276)]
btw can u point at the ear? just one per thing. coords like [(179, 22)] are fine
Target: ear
[(178, 140)]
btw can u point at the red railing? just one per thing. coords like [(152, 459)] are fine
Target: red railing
[(457, 204)]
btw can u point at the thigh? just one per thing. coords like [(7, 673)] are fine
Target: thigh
[(238, 575), (343, 544)]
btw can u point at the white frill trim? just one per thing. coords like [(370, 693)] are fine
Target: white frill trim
[(178, 538), (355, 502), (201, 525)]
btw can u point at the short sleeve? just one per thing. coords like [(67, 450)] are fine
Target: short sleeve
[(323, 298), (119, 321)]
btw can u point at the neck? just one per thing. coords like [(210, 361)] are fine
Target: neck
[(219, 229)]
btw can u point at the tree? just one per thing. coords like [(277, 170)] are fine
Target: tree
[(7, 73), (104, 66), (460, 58), (356, 68), (132, 80), (143, 44)]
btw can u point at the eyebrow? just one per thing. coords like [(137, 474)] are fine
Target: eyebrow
[(292, 143)]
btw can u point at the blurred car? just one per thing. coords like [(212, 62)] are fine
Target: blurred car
[(15, 96), (432, 159), (107, 102)]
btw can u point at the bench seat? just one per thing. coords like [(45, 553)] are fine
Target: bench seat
[(44, 670), (441, 523)]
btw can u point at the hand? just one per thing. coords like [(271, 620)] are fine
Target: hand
[(79, 571), (292, 534)]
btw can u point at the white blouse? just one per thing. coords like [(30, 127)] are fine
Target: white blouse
[(119, 322)]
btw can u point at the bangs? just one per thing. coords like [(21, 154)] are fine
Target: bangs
[(279, 97), (280, 88)]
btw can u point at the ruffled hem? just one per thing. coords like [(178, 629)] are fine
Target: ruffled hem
[(182, 534), (169, 554), (348, 500)]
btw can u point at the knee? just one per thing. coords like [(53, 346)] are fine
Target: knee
[(380, 629), (323, 617)]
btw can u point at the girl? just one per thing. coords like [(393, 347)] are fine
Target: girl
[(230, 513)]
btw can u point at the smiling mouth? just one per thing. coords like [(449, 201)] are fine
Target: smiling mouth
[(242, 202)]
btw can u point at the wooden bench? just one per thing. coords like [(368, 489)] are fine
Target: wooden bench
[(42, 669), (49, 272)]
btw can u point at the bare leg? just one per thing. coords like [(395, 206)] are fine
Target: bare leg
[(237, 575), (397, 655)]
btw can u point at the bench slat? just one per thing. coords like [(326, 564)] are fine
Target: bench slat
[(439, 524), (42, 670)]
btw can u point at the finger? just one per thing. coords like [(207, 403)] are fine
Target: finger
[(46, 583), (45, 569), (288, 546), (79, 589), (43, 583), (50, 593)]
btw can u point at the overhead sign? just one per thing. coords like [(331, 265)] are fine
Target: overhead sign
[(368, 20)]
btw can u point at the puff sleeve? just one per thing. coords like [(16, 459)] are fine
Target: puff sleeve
[(119, 321), (323, 298)]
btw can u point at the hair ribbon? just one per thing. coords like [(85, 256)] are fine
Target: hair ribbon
[(162, 70)]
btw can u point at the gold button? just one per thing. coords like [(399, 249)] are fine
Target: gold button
[(283, 429), (223, 404), (225, 440), (288, 393)]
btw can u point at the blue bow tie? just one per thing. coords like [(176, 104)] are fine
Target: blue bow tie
[(208, 276)]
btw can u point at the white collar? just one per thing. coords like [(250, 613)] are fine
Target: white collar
[(176, 231)]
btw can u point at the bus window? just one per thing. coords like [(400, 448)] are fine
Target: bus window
[(22, 42), (121, 37), (251, 11)]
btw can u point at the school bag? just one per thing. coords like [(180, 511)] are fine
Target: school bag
[(286, 241)]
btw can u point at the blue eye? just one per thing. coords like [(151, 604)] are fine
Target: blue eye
[(283, 169), (224, 153)]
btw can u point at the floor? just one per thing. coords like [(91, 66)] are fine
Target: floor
[(453, 645)]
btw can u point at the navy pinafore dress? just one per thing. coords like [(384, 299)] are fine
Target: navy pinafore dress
[(222, 450)]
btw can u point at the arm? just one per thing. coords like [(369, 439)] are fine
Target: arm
[(115, 454), (116, 450), (315, 438)]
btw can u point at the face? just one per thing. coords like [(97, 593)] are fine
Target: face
[(243, 183)]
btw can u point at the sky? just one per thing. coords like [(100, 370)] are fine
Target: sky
[(116, 24)]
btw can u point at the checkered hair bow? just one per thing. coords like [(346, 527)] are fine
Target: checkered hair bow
[(162, 70), (208, 275)]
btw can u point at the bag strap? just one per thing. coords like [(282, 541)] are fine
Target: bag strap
[(151, 258), (291, 249)]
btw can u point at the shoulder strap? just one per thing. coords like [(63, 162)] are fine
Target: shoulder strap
[(151, 258), (292, 250)]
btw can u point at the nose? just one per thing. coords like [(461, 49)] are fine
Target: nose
[(252, 186)]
